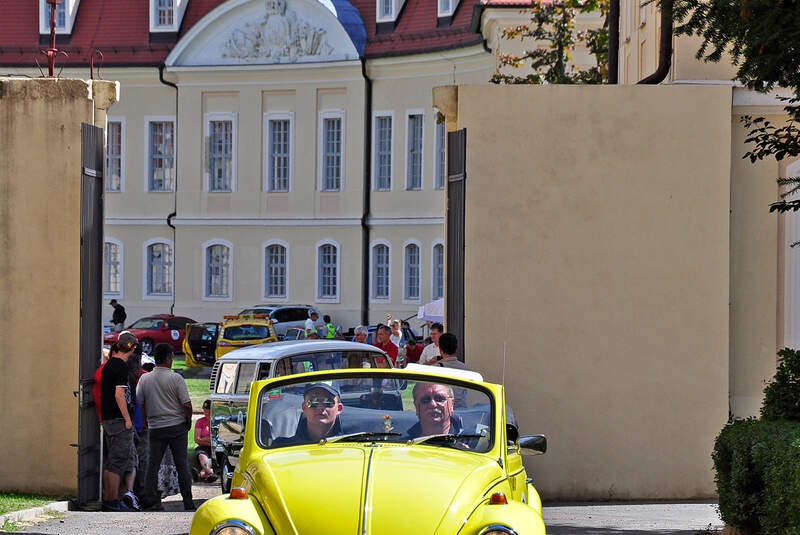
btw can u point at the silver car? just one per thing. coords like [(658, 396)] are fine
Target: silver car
[(285, 317), (233, 372)]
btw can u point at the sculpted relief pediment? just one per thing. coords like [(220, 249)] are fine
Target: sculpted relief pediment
[(265, 31)]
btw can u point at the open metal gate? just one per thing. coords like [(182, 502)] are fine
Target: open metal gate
[(89, 470), (456, 206)]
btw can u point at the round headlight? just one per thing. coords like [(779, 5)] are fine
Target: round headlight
[(233, 527), (497, 529)]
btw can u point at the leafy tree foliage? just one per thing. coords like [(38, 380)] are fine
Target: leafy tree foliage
[(554, 24), (763, 38)]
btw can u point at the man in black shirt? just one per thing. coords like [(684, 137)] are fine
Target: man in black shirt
[(119, 316), (121, 458)]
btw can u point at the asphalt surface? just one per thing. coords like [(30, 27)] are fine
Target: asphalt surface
[(614, 518)]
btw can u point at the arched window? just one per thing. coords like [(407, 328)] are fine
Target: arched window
[(112, 268), (275, 260), (218, 273), (158, 268), (411, 272), (437, 283), (381, 271), (327, 271)]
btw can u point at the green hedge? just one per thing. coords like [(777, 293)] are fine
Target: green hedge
[(757, 464)]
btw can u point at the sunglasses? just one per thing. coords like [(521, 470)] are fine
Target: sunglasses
[(313, 403), (438, 398)]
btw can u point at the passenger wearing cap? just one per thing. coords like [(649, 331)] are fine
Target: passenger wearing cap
[(321, 407)]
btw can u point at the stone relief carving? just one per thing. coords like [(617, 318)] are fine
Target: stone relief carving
[(279, 34)]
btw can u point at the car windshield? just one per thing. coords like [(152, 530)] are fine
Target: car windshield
[(246, 332), (369, 407), (147, 323)]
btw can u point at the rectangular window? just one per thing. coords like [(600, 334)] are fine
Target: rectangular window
[(275, 260), (380, 281), (327, 272), (278, 155), (444, 7), (114, 156), (383, 152), (220, 155), (165, 12), (159, 269), (386, 8), (438, 271), (440, 156), (412, 272), (111, 268), (332, 154), (61, 15), (161, 172), (217, 271), (414, 156)]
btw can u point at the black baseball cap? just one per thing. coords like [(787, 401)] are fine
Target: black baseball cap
[(324, 386)]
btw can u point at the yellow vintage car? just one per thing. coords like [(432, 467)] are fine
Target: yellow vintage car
[(204, 343), (421, 450)]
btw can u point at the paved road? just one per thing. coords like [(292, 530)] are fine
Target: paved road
[(682, 518)]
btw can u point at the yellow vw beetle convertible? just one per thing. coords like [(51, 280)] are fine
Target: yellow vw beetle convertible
[(421, 450)]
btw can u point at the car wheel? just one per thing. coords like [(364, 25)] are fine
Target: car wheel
[(226, 474), (147, 345)]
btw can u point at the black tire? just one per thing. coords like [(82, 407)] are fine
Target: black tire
[(225, 476), (147, 345)]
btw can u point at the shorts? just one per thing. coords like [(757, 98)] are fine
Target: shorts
[(120, 454)]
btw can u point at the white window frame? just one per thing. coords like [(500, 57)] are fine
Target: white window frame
[(146, 269), (147, 155), (438, 147), (375, 115), (330, 114), (385, 18), (264, 297), (117, 119), (121, 293), (317, 246), (406, 299), (446, 13), (372, 298), (438, 241), (278, 116), (70, 10), (204, 248), (219, 116), (178, 10), (409, 113)]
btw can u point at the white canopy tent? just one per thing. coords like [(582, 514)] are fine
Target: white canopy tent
[(433, 311)]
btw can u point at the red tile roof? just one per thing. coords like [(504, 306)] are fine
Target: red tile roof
[(120, 30)]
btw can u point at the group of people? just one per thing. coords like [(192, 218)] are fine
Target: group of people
[(143, 414), (438, 350)]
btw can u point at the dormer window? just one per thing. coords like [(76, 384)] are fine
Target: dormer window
[(165, 17), (66, 10), (445, 11), (386, 14)]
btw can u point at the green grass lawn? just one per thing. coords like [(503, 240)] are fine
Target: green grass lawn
[(14, 502), (196, 382)]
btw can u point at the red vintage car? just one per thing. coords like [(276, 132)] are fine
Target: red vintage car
[(156, 329)]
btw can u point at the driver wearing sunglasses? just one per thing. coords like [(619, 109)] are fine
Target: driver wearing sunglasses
[(434, 405), (321, 407)]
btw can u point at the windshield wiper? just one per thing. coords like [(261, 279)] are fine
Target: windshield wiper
[(445, 437), (359, 435)]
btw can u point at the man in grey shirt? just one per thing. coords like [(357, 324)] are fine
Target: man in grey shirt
[(167, 406)]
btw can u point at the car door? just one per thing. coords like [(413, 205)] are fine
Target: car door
[(515, 469), (177, 330), (201, 342)]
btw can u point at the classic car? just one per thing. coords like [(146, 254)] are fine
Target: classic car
[(378, 451), (286, 316), (206, 342), (155, 329), (232, 375)]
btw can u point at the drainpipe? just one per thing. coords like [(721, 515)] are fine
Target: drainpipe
[(367, 194), (613, 42), (665, 46), (175, 196)]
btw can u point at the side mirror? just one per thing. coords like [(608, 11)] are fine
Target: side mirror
[(534, 444)]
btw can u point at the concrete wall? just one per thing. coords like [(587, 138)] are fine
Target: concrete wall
[(40, 177), (597, 249)]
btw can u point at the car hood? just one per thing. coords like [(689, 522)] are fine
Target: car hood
[(406, 489)]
